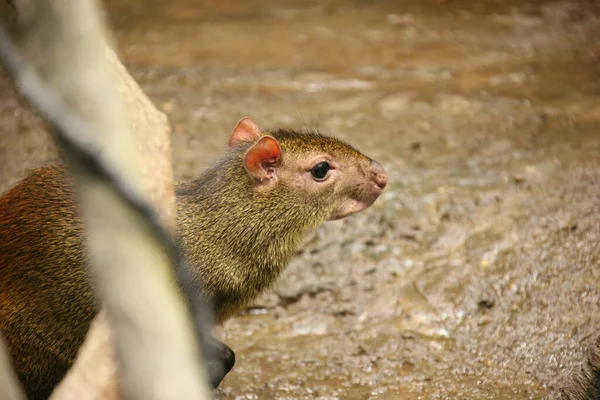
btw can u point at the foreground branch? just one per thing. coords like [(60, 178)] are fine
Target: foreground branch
[(130, 253)]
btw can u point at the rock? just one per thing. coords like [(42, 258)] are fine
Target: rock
[(394, 105)]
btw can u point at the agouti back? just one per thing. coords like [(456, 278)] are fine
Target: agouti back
[(238, 225)]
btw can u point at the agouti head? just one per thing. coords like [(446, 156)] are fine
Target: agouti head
[(323, 172), (241, 221)]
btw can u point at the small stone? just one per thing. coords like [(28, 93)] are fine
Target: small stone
[(518, 179), (395, 104), (404, 19), (485, 303)]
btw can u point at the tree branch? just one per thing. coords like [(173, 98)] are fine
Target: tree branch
[(131, 254)]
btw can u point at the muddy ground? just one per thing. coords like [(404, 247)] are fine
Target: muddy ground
[(476, 275)]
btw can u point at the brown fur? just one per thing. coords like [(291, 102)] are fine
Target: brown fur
[(268, 226), (237, 237), (584, 384), (47, 303)]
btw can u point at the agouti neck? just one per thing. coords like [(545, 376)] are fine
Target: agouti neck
[(240, 236)]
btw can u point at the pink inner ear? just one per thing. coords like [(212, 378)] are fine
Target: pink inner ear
[(261, 158), (245, 130)]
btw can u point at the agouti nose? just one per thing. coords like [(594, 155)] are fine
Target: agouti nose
[(378, 175)]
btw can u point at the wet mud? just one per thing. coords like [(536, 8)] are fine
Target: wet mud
[(476, 275)]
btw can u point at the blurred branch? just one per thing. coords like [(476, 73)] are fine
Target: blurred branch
[(131, 254)]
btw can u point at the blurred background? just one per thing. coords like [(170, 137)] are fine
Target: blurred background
[(476, 274)]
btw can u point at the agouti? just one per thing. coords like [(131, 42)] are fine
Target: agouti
[(238, 225)]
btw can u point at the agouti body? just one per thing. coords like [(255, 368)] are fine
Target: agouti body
[(238, 225)]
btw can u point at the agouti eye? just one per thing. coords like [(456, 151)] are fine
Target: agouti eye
[(320, 170)]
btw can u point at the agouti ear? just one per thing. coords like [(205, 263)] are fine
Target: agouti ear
[(262, 159), (245, 130)]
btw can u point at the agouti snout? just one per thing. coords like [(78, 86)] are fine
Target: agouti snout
[(378, 175), (369, 187)]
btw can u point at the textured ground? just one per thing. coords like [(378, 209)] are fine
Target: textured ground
[(476, 275)]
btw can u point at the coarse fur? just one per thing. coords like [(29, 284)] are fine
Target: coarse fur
[(583, 384), (46, 301), (268, 225), (239, 223)]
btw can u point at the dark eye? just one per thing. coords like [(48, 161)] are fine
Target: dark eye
[(320, 170)]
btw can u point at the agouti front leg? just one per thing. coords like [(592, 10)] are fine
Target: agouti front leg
[(218, 371)]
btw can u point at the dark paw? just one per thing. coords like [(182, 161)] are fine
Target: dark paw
[(221, 363)]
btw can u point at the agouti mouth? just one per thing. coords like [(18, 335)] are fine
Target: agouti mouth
[(351, 206)]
